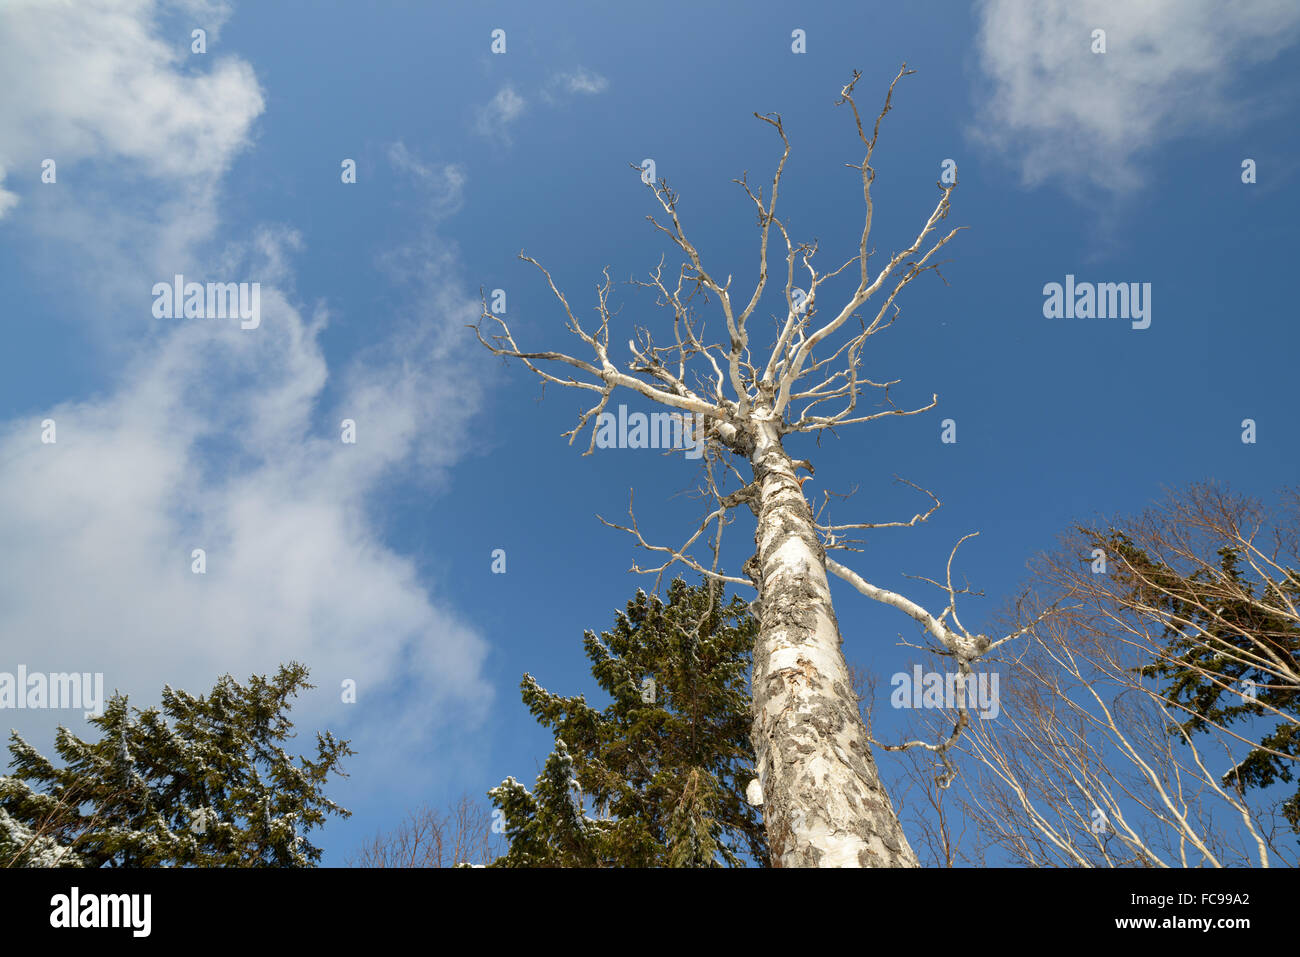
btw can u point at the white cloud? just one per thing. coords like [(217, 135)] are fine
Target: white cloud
[(495, 116), (220, 438), (212, 440), (1060, 110), (110, 102), (92, 79), (580, 81), (8, 198)]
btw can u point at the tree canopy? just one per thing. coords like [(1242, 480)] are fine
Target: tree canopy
[(201, 781), (665, 765)]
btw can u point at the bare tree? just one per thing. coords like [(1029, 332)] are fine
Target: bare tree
[(1152, 720), (822, 799), (433, 838)]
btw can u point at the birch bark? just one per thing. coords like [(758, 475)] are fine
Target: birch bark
[(824, 805)]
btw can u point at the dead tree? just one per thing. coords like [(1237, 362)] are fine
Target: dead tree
[(822, 799)]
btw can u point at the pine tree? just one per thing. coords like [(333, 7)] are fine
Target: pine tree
[(1230, 618), (200, 782), (666, 765)]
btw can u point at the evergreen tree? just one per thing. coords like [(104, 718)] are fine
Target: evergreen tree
[(200, 782), (1209, 661), (666, 765), (1218, 622)]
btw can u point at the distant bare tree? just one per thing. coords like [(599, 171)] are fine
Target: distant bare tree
[(433, 838)]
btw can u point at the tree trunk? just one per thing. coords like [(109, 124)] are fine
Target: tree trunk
[(823, 803)]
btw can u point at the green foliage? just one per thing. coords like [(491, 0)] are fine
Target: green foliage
[(1236, 625), (201, 782), (665, 765)]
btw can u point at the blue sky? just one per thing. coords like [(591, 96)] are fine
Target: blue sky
[(372, 561)]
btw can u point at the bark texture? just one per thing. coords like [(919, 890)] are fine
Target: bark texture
[(824, 805)]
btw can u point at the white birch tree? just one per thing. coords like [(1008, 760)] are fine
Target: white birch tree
[(822, 798)]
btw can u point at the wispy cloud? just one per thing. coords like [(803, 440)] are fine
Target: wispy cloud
[(494, 117), (1058, 109), (444, 183), (580, 81)]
